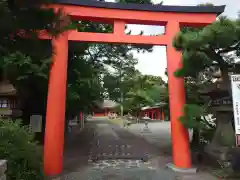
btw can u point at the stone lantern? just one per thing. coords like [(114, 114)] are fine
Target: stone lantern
[(222, 145)]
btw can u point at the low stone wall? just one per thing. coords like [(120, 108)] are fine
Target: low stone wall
[(3, 169)]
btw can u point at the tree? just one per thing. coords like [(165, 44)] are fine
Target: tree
[(217, 45), (205, 50), (84, 85), (157, 93), (142, 91), (25, 62), (114, 78)]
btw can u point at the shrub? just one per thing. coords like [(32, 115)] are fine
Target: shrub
[(23, 154)]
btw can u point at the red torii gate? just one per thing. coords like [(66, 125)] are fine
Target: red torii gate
[(172, 17)]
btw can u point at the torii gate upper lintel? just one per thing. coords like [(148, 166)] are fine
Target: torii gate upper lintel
[(172, 17)]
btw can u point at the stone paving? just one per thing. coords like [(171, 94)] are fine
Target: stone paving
[(113, 145), (113, 142), (122, 164), (122, 170)]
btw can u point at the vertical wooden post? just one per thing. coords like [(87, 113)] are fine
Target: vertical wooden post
[(152, 114), (180, 136), (119, 27), (55, 118), (81, 116), (158, 114), (162, 115)]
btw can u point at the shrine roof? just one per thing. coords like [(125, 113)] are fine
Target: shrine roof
[(157, 105), (144, 7), (106, 104), (7, 89)]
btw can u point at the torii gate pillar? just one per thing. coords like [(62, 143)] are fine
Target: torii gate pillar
[(55, 117), (180, 137)]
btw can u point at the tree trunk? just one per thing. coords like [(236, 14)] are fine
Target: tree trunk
[(195, 138)]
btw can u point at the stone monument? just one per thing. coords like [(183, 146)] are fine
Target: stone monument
[(146, 129)]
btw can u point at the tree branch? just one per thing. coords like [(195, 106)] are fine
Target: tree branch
[(229, 49)]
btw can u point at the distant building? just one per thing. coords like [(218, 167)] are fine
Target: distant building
[(155, 112), (9, 104), (104, 107)]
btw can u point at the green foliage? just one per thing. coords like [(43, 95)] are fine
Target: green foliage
[(208, 46), (116, 80), (143, 90), (199, 62), (26, 62), (204, 50), (158, 93), (19, 66), (84, 86), (23, 154), (192, 116)]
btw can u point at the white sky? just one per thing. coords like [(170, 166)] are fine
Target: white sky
[(154, 63)]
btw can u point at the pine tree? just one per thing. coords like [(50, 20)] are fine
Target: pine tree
[(205, 50)]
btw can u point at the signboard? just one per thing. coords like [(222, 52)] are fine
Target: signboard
[(222, 101), (35, 123), (235, 81)]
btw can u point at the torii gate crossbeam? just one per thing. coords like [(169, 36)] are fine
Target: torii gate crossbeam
[(172, 17)]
